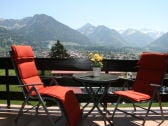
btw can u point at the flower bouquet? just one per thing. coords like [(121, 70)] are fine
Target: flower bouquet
[(96, 60)]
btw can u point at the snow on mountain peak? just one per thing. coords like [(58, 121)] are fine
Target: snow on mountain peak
[(153, 33)]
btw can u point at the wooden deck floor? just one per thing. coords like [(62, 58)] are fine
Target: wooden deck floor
[(7, 117)]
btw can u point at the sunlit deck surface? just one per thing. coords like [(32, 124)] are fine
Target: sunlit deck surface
[(7, 116)]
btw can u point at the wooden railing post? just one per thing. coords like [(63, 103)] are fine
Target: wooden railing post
[(7, 86)]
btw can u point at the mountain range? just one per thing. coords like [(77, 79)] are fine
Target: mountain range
[(161, 44), (136, 38), (103, 36), (40, 30), (124, 38)]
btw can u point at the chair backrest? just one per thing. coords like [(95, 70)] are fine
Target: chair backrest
[(24, 63), (152, 68)]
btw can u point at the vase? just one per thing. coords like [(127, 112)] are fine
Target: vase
[(96, 71)]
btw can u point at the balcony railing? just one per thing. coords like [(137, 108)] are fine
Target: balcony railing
[(49, 64)]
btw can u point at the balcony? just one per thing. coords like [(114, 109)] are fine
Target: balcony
[(9, 111)]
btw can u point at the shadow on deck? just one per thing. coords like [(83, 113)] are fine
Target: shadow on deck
[(7, 117)]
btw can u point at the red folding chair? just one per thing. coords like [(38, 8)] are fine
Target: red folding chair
[(152, 68), (34, 88)]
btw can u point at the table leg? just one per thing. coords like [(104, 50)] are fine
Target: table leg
[(98, 101), (94, 97), (104, 117)]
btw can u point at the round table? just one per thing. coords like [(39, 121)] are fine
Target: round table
[(98, 94)]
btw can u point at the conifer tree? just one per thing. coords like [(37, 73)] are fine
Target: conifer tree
[(58, 51)]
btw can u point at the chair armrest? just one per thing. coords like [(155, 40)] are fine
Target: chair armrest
[(28, 85), (156, 89), (155, 85)]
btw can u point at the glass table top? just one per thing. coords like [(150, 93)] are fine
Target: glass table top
[(90, 78)]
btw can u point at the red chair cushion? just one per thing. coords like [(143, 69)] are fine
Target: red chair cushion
[(22, 51), (26, 66), (145, 77), (27, 69), (153, 60), (68, 99), (152, 68), (133, 95)]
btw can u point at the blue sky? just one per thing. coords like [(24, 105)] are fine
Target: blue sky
[(116, 14)]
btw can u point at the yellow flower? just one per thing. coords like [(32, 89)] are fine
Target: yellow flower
[(96, 59), (92, 59)]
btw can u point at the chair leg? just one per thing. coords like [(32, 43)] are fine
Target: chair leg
[(118, 101), (21, 109), (23, 106), (147, 112), (160, 105), (134, 106), (37, 108), (46, 110)]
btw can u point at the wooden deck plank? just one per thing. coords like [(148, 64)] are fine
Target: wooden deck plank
[(7, 116)]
